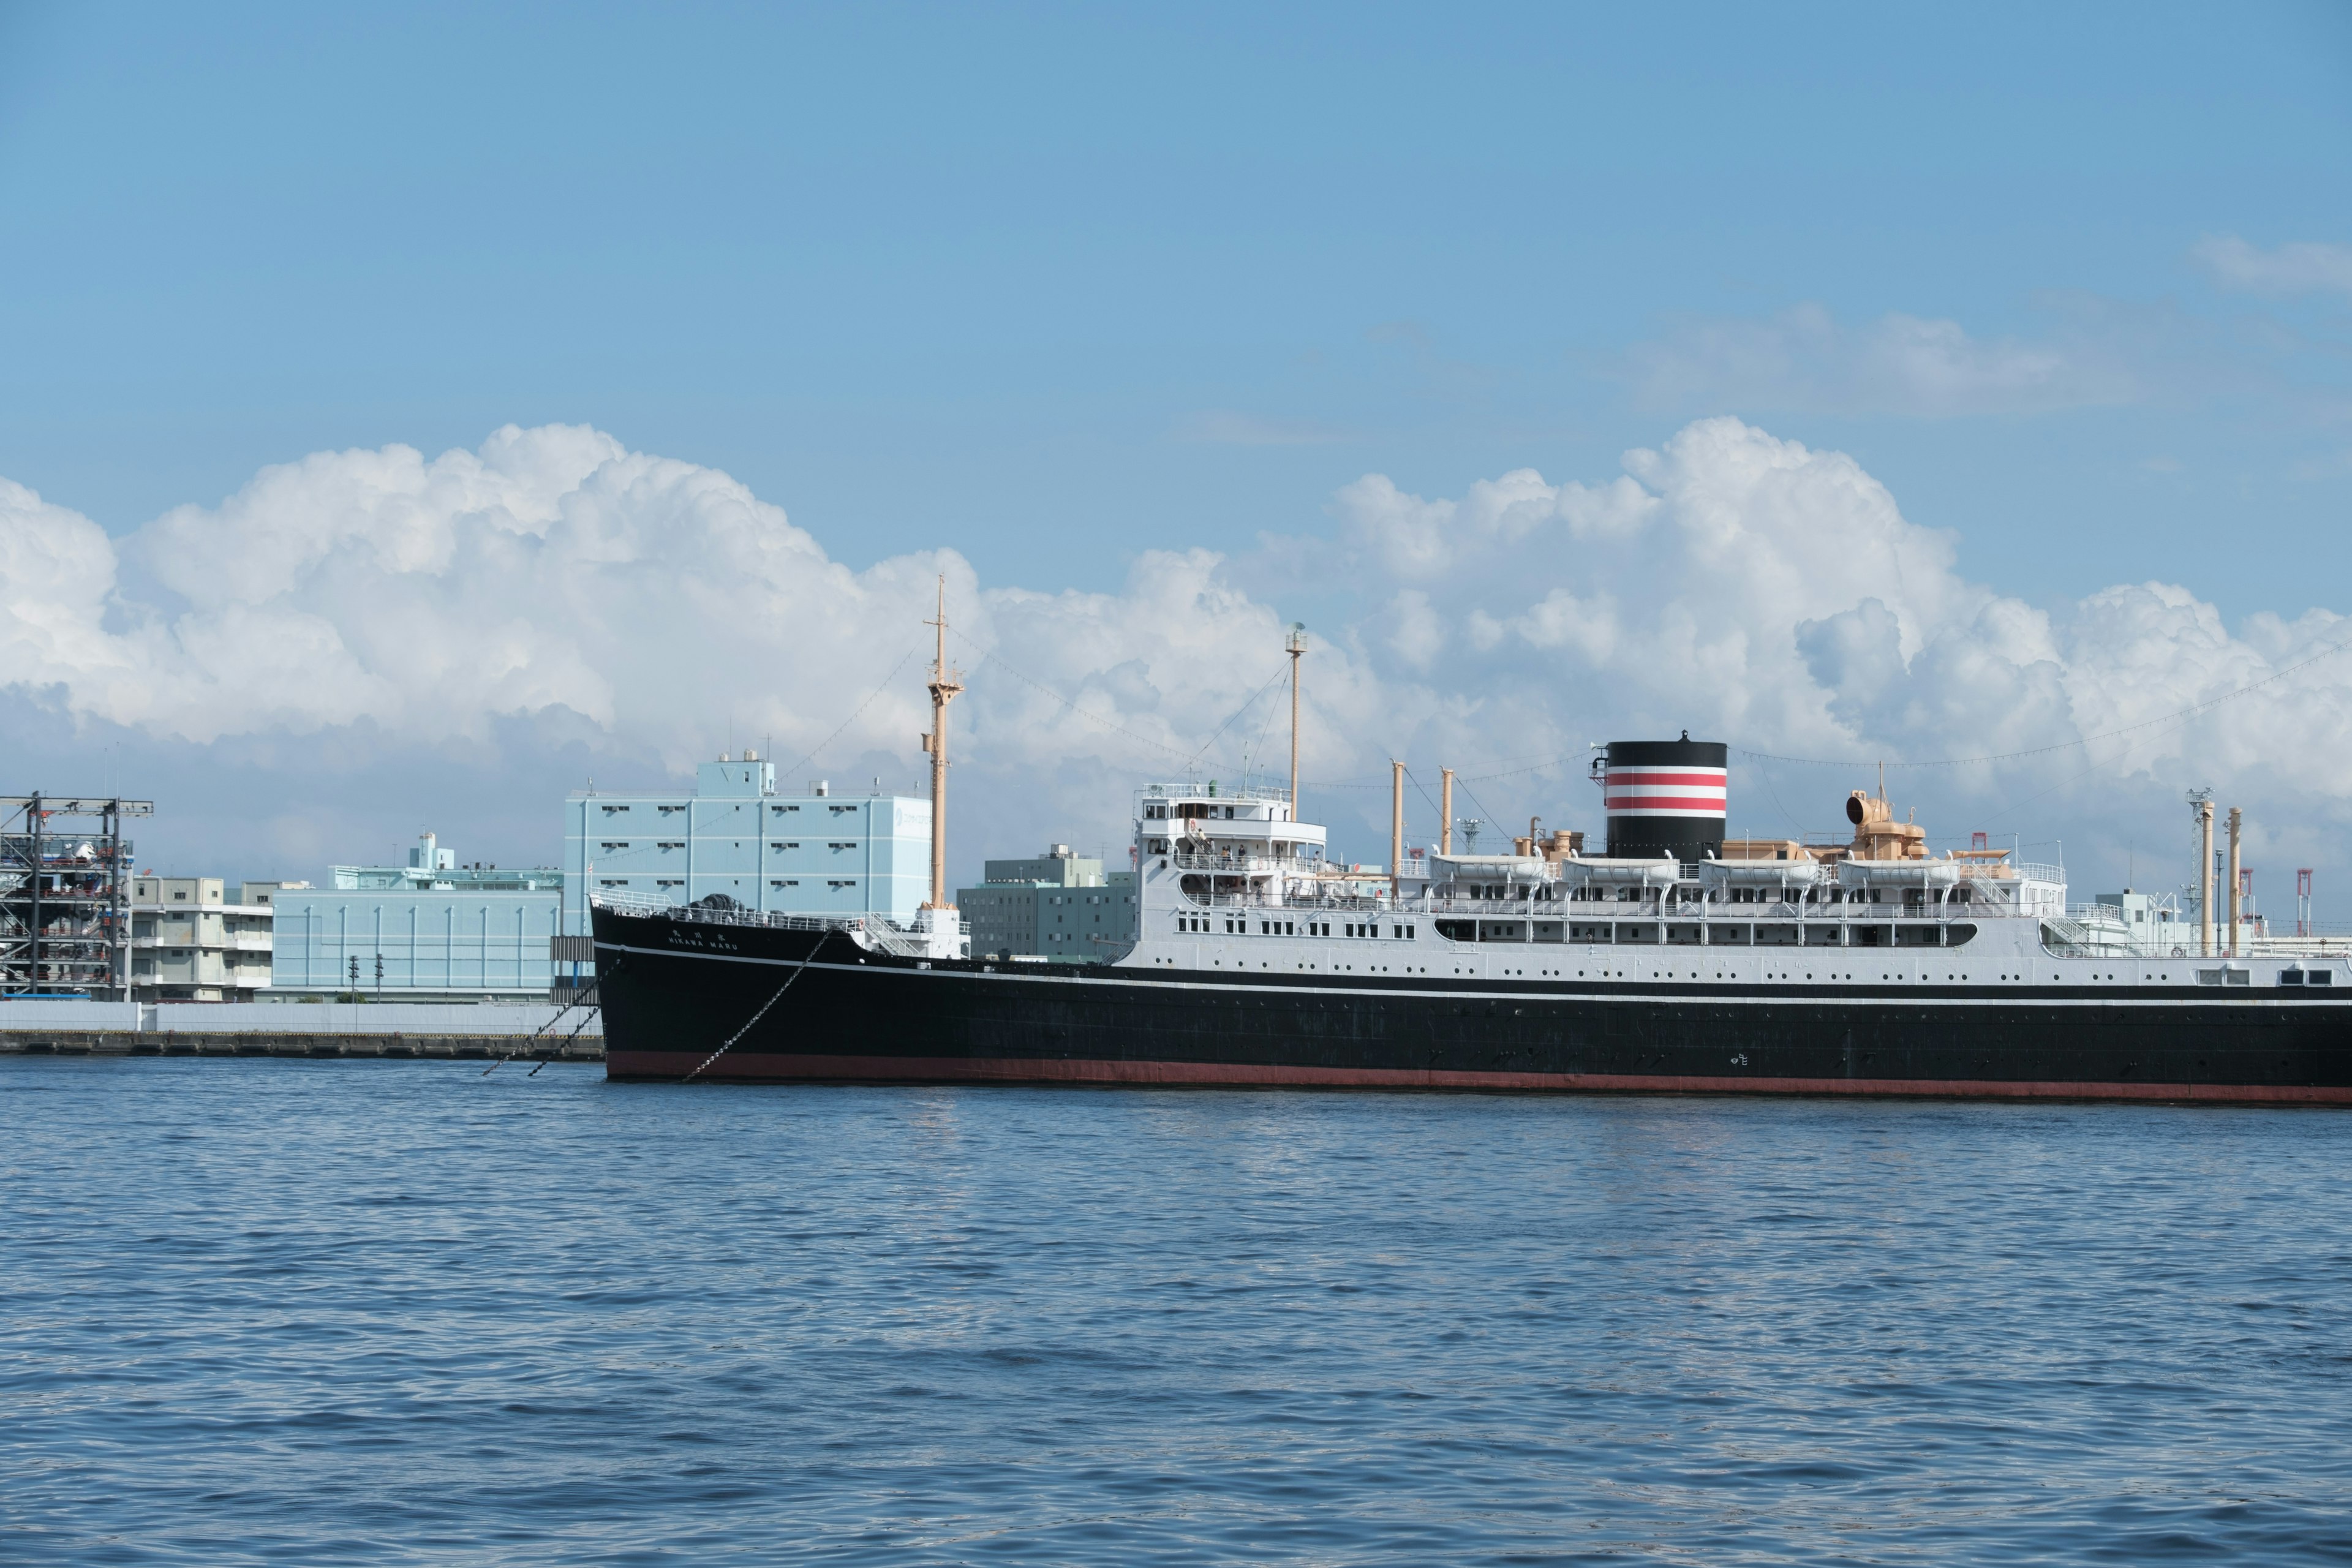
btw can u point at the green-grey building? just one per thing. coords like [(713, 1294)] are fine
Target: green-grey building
[(1056, 906)]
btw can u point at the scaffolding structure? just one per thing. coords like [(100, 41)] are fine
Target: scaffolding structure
[(65, 896)]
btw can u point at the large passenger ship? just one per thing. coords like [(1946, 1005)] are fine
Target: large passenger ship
[(1675, 960)]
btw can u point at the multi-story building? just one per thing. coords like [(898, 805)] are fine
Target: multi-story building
[(201, 939), (1059, 905), (431, 931), (818, 853)]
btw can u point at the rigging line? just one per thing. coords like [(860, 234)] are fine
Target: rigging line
[(990, 656), (2075, 778), (2184, 713), (1532, 768), (861, 707), (1526, 757), (1258, 746), (1421, 790), (1473, 794), (1236, 713), (1765, 774), (762, 1013), (1423, 793)]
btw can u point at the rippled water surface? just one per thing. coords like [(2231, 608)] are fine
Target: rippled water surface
[(263, 1310)]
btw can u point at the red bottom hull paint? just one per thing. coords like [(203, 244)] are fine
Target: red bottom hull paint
[(735, 1068)]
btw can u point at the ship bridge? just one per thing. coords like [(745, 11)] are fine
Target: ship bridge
[(1234, 847)]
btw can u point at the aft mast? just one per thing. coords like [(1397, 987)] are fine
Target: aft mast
[(1295, 644)]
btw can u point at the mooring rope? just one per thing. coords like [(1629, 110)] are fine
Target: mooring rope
[(762, 1013), (586, 1019), (587, 999)]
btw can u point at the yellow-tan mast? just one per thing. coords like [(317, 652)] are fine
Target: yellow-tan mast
[(2204, 872), (2237, 878), (946, 684), (1295, 644), (1396, 833)]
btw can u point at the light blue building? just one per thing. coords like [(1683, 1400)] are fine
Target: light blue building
[(431, 931), (818, 853)]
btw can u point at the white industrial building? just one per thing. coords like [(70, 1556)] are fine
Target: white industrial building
[(431, 931)]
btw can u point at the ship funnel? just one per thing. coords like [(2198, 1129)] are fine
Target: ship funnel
[(1667, 798)]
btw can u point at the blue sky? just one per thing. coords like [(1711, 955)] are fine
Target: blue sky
[(1053, 282), (1054, 288)]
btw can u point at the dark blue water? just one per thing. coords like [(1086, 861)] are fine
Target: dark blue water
[(396, 1313)]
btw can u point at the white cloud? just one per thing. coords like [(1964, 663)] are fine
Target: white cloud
[(1804, 359), (2303, 267), (1408, 536), (1774, 596), (1416, 634), (554, 591), (554, 571)]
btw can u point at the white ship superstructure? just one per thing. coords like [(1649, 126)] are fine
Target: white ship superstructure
[(1232, 883)]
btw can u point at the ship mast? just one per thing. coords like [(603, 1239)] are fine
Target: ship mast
[(946, 683), (1295, 644)]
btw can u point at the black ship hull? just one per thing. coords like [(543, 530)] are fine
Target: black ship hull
[(807, 1005)]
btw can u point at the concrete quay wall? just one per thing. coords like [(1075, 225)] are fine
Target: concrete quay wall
[(35, 1025), (477, 1048)]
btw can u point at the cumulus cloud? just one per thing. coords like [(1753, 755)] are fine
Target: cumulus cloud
[(1415, 633), (551, 604), (2303, 267), (1758, 590), (1803, 358), (659, 604)]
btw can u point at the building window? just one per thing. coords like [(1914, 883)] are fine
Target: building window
[(787, 882)]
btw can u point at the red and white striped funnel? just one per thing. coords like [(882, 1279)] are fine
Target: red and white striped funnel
[(1667, 798)]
